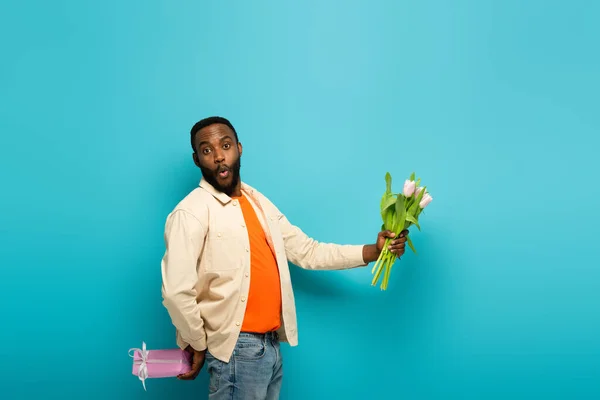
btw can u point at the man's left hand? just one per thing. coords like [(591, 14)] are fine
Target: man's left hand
[(198, 358), (397, 245)]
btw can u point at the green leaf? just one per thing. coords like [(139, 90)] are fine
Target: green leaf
[(415, 206), (390, 217), (400, 214), (387, 208), (387, 194), (412, 219), (388, 202), (388, 182), (412, 176), (410, 244), (419, 211)]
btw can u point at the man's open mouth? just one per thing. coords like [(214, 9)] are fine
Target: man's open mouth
[(223, 172)]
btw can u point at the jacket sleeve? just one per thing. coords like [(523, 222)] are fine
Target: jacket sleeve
[(309, 253), (184, 239)]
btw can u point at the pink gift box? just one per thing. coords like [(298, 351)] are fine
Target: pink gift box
[(159, 363)]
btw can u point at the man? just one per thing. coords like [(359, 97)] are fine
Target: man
[(226, 283)]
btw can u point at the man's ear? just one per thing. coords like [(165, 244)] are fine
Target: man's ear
[(196, 161), (239, 148)]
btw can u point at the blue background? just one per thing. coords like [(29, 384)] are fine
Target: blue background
[(493, 103)]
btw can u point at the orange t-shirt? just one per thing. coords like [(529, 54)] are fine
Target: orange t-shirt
[(263, 311)]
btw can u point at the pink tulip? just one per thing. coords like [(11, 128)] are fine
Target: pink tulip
[(425, 200), (418, 191), (409, 188)]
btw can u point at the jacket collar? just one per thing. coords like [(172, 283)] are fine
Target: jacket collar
[(222, 197)]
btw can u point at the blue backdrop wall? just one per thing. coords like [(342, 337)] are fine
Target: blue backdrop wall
[(494, 104)]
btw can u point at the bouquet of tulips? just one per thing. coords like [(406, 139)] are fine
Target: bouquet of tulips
[(398, 212)]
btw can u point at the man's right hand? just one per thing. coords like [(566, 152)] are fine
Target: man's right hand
[(197, 363)]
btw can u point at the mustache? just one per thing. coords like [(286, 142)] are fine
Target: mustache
[(222, 168)]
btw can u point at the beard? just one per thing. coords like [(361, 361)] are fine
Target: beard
[(227, 187)]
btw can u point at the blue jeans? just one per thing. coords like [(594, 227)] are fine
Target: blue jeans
[(254, 371)]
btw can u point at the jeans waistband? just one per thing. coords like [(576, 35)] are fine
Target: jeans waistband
[(269, 335)]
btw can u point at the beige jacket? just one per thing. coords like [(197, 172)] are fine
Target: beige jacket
[(206, 266)]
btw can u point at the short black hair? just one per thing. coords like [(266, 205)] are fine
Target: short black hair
[(209, 121)]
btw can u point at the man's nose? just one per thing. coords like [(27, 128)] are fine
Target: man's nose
[(219, 157)]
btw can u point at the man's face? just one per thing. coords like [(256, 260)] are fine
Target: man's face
[(218, 157)]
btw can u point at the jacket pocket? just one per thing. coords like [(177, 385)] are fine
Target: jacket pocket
[(225, 250)]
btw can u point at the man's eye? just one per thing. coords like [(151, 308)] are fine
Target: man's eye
[(206, 150), (226, 146)]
